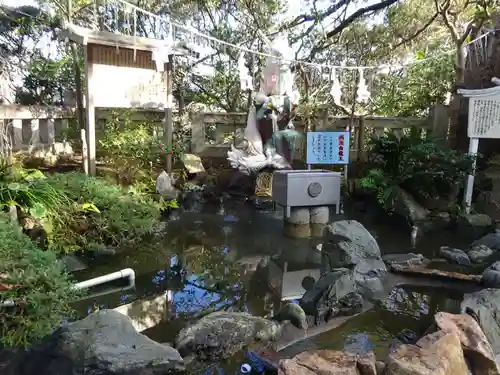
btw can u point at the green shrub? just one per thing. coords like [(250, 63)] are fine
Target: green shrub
[(420, 166), (100, 212), (38, 284)]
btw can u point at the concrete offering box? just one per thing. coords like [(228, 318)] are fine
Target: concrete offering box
[(306, 188)]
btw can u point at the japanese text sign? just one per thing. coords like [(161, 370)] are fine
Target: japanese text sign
[(328, 147)]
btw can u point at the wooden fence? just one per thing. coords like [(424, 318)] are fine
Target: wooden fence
[(211, 133)]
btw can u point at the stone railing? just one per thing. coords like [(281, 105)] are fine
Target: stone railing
[(212, 133)]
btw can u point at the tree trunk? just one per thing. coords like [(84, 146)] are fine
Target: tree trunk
[(79, 86), (458, 127)]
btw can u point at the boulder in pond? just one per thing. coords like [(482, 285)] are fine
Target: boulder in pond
[(334, 294), (324, 294), (439, 353), (348, 242), (222, 334), (477, 350), (328, 362), (479, 253), (491, 276), (455, 256), (476, 225), (104, 342), (486, 304), (406, 206), (491, 240)]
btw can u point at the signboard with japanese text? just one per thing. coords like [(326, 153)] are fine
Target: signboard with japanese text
[(328, 147)]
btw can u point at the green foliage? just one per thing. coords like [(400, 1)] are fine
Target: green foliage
[(28, 190), (102, 212), (34, 280), (132, 148), (412, 91), (46, 80), (418, 165)]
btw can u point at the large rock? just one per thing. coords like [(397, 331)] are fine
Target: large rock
[(222, 334), (453, 255), (479, 253), (439, 353), (103, 343), (476, 225), (327, 362), (330, 287), (492, 240), (406, 206), (369, 278), (486, 304), (347, 243), (165, 187), (475, 345), (491, 276)]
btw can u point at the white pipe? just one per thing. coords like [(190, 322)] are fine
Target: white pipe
[(105, 292), (125, 273)]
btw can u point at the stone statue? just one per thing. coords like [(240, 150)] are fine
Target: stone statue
[(269, 137)]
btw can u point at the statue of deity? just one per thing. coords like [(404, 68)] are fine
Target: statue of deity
[(269, 137)]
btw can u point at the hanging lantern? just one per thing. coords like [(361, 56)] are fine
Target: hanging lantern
[(363, 95), (336, 90)]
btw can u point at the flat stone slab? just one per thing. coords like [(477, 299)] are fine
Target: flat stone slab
[(435, 274)]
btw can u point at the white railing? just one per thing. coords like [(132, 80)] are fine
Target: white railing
[(212, 133)]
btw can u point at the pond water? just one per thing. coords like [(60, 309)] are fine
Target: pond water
[(206, 260)]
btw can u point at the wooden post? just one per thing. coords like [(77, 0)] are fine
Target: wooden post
[(90, 110), (168, 126), (85, 156), (361, 139)]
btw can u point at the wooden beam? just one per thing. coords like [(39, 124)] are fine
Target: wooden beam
[(90, 120), (84, 36), (168, 129)]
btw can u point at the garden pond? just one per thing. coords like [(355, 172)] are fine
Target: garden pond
[(206, 261)]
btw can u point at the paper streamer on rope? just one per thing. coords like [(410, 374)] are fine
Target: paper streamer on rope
[(363, 94), (336, 90)]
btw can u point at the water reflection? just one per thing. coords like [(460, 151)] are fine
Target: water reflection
[(401, 318), (207, 262)]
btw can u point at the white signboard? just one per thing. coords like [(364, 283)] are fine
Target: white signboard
[(122, 87)]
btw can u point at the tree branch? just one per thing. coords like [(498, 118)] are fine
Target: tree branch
[(418, 32), (358, 14), (303, 18), (349, 20)]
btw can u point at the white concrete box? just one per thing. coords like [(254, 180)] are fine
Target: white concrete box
[(295, 188)]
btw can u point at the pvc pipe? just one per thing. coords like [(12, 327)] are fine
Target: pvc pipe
[(125, 273), (128, 273)]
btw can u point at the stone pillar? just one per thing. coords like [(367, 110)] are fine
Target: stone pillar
[(298, 225), (319, 220)]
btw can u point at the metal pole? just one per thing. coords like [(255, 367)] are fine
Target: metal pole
[(168, 128)]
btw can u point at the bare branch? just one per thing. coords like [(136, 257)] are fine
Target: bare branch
[(348, 21), (358, 14), (418, 32), (303, 18)]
